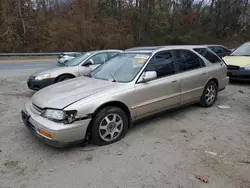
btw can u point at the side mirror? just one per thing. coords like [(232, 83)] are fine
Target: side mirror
[(147, 76), (88, 63)]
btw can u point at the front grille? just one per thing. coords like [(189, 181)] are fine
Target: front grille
[(233, 67), (37, 109)]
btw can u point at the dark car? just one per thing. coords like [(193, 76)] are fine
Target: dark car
[(238, 63), (220, 50)]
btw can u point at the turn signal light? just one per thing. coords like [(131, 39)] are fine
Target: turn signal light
[(44, 134)]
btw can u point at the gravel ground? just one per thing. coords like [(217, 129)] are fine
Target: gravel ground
[(165, 151)]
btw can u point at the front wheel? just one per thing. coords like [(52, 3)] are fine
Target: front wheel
[(209, 95), (109, 125)]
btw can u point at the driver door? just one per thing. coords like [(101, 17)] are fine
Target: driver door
[(96, 60), (161, 93)]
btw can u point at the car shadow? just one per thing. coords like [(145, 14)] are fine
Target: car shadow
[(239, 83)]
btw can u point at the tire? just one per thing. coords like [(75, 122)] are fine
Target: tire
[(104, 123), (209, 95), (63, 78)]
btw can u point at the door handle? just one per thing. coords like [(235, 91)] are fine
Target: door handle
[(174, 81)]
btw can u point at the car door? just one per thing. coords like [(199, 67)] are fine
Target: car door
[(193, 75), (96, 60), (162, 92)]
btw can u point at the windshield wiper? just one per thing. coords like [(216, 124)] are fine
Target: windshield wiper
[(111, 74)]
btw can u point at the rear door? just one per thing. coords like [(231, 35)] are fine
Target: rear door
[(193, 75), (161, 93)]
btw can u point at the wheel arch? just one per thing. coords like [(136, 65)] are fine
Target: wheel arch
[(110, 103), (64, 74), (118, 104), (214, 80)]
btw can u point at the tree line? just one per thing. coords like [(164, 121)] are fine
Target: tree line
[(81, 25)]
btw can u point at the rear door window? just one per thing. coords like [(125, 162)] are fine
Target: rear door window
[(187, 60), (208, 54)]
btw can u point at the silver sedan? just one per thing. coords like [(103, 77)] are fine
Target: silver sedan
[(134, 84), (79, 66)]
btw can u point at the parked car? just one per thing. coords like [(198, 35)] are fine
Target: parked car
[(79, 66), (132, 85), (220, 50), (67, 56), (238, 63)]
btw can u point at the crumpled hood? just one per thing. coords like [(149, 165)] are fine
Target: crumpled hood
[(62, 94), (241, 61)]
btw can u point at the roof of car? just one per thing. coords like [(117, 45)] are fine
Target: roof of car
[(147, 48), (66, 53), (109, 50), (150, 49)]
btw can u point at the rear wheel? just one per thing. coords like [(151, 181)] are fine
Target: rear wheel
[(109, 125), (64, 77), (209, 95)]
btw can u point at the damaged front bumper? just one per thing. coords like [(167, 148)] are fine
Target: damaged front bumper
[(53, 133)]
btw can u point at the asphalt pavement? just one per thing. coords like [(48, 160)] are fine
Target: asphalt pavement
[(23, 68)]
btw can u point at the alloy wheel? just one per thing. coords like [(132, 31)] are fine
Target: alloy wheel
[(111, 127), (210, 94)]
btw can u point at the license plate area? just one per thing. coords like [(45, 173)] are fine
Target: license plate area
[(26, 118)]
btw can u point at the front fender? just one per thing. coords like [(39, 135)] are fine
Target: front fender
[(90, 105)]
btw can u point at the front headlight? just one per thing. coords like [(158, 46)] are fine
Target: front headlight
[(247, 67), (43, 76), (58, 115), (65, 117)]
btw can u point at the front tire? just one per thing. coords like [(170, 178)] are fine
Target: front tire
[(109, 125), (209, 95)]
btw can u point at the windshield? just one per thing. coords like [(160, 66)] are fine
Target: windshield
[(121, 68), (243, 50), (79, 59)]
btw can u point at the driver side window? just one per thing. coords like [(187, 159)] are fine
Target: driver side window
[(162, 63), (99, 58)]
